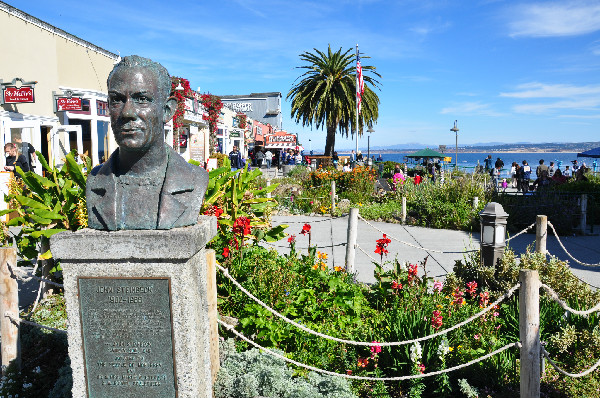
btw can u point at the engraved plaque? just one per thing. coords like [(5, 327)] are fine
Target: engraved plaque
[(127, 337)]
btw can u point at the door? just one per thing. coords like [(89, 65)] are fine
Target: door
[(63, 139)]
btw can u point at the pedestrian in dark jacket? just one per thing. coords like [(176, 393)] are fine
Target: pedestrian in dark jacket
[(14, 159)]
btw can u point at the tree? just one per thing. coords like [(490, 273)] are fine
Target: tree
[(326, 94)]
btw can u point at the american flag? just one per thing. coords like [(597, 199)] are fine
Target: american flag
[(360, 84)]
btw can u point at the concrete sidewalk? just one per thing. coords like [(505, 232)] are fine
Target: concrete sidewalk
[(328, 232)]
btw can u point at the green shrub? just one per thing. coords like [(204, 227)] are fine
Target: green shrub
[(251, 374)]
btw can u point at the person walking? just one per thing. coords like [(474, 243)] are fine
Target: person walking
[(260, 156), (526, 177), (28, 151), (551, 170), (235, 158), (352, 159), (541, 168), (513, 174), (488, 164), (14, 159), (268, 158)]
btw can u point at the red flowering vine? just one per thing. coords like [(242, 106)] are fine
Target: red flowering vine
[(213, 105), (214, 211), (180, 95), (306, 230), (242, 120)]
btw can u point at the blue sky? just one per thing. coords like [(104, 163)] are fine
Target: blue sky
[(508, 71)]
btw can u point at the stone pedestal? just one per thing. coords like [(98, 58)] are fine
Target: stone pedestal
[(137, 311)]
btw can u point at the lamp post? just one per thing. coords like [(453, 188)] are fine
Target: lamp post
[(493, 234), (455, 129), (369, 130)]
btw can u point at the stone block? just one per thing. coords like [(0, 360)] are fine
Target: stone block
[(118, 286)]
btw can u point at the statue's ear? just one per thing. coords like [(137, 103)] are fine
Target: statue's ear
[(169, 109)]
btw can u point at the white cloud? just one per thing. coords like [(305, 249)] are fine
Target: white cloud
[(552, 19), (552, 97), (471, 108), (540, 90)]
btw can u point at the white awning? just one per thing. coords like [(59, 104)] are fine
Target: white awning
[(281, 145)]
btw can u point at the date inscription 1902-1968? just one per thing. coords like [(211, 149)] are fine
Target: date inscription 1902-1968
[(127, 337)]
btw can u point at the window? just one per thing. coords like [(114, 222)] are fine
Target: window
[(85, 108), (102, 108)]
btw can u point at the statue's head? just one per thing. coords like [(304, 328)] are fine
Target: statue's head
[(139, 103)]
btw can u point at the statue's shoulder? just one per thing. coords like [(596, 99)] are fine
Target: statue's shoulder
[(179, 167)]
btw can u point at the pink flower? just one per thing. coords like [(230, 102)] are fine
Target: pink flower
[(421, 368), (472, 288), (437, 286), (376, 349), (477, 336)]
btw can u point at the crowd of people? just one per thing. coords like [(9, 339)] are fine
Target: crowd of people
[(523, 177)]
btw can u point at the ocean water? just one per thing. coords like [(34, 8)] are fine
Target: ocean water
[(468, 161)]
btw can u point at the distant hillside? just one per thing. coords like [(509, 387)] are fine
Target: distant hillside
[(487, 147)]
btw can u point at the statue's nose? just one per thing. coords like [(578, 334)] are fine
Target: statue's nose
[(128, 109)]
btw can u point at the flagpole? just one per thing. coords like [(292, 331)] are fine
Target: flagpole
[(356, 95)]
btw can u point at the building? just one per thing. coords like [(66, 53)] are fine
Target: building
[(263, 107), (54, 93)]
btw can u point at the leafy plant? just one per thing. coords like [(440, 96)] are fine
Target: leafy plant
[(48, 205)]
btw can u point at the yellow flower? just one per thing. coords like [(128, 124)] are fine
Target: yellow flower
[(337, 268), (450, 349), (315, 266)]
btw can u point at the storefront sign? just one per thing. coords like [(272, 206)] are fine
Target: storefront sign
[(235, 133), (239, 106), (271, 139), (68, 104), (183, 140), (14, 95)]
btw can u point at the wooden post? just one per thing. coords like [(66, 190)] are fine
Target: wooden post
[(583, 210), (211, 290), (332, 197), (475, 202), (351, 240), (9, 305), (529, 330), (541, 233), (403, 210)]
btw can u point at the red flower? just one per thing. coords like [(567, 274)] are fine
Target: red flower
[(436, 320), (458, 297), (472, 288), (363, 362), (382, 245), (241, 226), (422, 368), (412, 271), (214, 211), (396, 285), (292, 239), (225, 252), (305, 229)]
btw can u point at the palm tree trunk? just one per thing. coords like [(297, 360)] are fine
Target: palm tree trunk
[(330, 140)]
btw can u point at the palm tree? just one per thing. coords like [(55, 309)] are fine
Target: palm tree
[(326, 94)]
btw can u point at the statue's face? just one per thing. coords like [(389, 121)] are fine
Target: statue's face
[(136, 108)]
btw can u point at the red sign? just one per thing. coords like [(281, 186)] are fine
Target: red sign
[(277, 138), (183, 138), (13, 95), (68, 104)]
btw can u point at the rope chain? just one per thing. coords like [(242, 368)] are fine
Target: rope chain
[(566, 251), (33, 276), (520, 233), (347, 376), (410, 244), (367, 254), (574, 375), (565, 306), (18, 321), (364, 343)]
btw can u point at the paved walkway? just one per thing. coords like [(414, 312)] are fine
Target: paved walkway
[(327, 232)]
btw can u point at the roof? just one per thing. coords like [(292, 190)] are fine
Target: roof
[(251, 95), (426, 153), (592, 153)]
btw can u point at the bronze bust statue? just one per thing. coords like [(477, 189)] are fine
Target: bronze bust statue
[(144, 184)]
